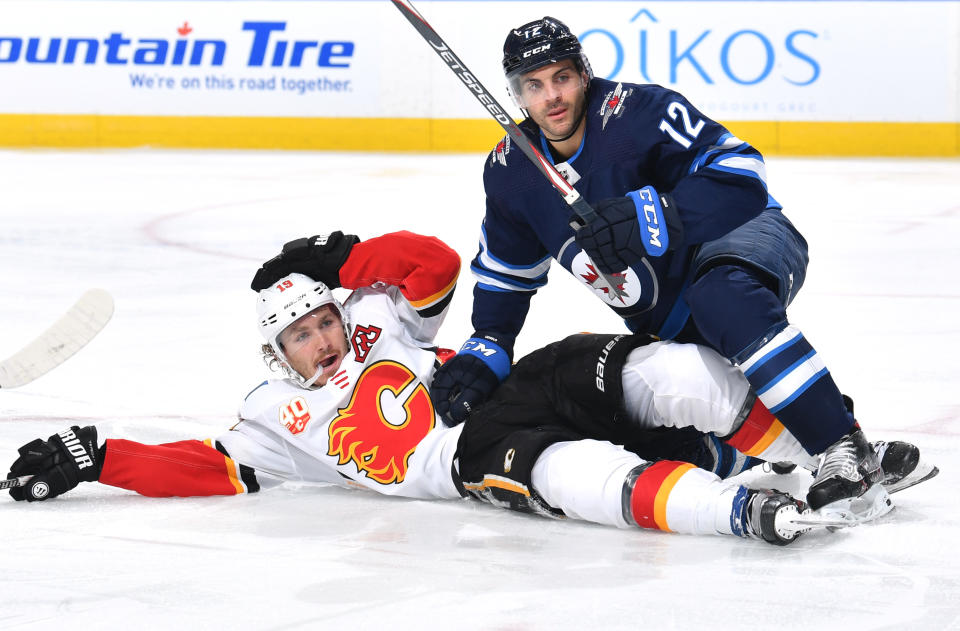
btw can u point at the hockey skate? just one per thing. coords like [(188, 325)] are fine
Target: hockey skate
[(777, 517), (848, 483), (901, 464)]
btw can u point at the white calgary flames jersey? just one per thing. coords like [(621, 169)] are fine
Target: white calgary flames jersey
[(371, 425)]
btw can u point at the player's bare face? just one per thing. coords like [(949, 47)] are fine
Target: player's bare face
[(555, 98), (315, 342)]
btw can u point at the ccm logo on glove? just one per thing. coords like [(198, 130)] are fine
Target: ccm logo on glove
[(650, 216)]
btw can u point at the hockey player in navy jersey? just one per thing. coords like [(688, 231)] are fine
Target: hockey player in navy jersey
[(696, 247)]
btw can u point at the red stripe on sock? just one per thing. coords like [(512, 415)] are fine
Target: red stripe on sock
[(643, 499), (754, 428)]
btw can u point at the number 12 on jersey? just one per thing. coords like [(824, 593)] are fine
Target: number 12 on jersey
[(674, 110)]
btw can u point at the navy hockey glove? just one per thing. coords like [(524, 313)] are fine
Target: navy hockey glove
[(628, 228), (320, 257), (57, 464), (468, 379)]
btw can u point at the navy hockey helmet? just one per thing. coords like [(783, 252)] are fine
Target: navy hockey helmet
[(537, 44)]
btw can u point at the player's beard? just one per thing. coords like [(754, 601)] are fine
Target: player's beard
[(560, 130)]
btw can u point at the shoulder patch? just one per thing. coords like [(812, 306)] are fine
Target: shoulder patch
[(295, 414), (363, 340), (613, 104), (499, 153)]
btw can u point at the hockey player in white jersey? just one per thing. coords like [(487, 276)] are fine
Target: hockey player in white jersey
[(354, 410)]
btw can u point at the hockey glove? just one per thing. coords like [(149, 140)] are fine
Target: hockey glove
[(320, 257), (57, 464), (468, 379), (628, 228)]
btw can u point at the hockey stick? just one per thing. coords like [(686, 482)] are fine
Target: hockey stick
[(570, 195), (69, 334), (14, 482)]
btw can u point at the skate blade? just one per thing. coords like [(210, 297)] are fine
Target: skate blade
[(871, 505), (810, 520), (792, 524), (921, 473)]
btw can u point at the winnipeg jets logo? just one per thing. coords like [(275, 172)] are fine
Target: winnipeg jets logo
[(499, 154), (613, 285), (363, 340), (613, 104), (630, 289)]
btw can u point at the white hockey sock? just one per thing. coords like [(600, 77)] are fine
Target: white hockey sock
[(584, 479)]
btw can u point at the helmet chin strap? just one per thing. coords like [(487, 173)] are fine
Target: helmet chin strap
[(309, 383), (296, 376)]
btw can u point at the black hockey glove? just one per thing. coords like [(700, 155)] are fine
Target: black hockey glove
[(319, 257), (628, 228), (57, 464), (468, 379)]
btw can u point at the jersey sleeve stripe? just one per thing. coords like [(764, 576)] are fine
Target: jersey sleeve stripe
[(248, 475), (528, 271), (249, 478), (436, 308), (742, 165), (494, 288), (486, 277), (494, 264), (727, 144), (438, 296), (230, 465)]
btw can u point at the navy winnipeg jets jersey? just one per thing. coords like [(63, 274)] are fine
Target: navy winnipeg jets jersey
[(636, 135)]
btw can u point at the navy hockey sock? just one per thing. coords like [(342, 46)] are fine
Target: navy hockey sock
[(745, 321)]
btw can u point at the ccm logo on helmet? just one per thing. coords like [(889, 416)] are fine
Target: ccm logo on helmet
[(538, 49)]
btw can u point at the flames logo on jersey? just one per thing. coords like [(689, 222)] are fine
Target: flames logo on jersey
[(363, 340), (499, 153), (389, 413), (613, 104)]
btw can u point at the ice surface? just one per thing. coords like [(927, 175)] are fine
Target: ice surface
[(175, 237)]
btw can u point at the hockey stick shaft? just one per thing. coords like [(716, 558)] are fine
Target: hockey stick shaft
[(569, 194), (14, 482)]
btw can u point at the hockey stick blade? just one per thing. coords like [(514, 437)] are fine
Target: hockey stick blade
[(583, 211), (14, 482), (69, 334)]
